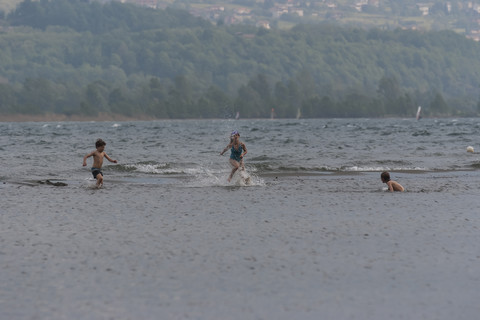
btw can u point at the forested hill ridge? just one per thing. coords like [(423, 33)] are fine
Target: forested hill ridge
[(80, 58)]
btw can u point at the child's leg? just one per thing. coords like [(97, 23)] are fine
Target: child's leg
[(99, 180), (235, 166)]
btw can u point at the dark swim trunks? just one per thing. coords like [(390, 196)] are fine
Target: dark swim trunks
[(95, 172)]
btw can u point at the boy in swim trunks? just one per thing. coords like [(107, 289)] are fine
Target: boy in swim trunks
[(98, 155), (238, 151), (392, 185)]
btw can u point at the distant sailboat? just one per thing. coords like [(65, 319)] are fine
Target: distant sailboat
[(237, 116), (299, 113), (272, 113), (419, 116)]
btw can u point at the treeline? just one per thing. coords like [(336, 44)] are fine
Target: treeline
[(75, 57), (154, 98), (83, 15)]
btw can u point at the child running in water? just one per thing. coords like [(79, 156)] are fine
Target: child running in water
[(238, 151), (98, 155), (392, 185)]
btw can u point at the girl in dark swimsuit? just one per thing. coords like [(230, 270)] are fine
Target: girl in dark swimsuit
[(238, 151)]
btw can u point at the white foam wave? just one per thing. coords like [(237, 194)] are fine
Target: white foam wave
[(375, 169), (144, 168), (166, 169), (218, 178), (202, 176), (157, 169)]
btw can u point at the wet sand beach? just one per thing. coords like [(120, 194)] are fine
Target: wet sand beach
[(297, 249), (313, 236)]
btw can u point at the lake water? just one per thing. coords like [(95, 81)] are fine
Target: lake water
[(313, 235)]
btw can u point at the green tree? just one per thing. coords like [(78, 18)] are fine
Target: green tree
[(213, 103), (154, 98), (255, 99), (7, 99), (119, 102), (250, 104), (327, 107), (389, 88), (38, 96), (95, 98), (281, 100), (180, 99), (439, 106)]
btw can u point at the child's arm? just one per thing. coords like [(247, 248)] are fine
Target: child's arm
[(109, 159), (86, 157), (226, 148), (390, 186), (244, 147)]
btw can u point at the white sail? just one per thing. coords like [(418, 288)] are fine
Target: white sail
[(419, 113)]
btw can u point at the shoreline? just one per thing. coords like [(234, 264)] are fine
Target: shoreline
[(53, 117)]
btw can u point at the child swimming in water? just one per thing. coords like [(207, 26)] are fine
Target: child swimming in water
[(238, 151), (392, 185), (98, 155)]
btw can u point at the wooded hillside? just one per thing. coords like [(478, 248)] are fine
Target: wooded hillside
[(73, 57)]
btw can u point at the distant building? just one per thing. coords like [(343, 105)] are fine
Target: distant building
[(279, 10), (297, 11), (263, 24), (217, 8), (359, 5), (143, 3), (424, 8), (242, 11), (331, 5), (448, 7), (474, 37)]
